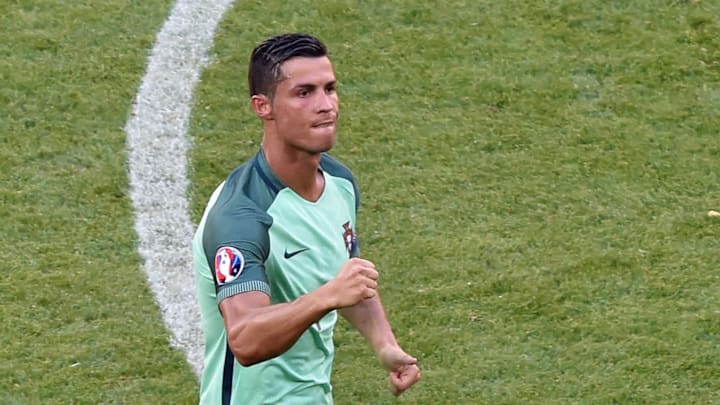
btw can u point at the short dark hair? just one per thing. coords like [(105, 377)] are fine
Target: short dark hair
[(264, 71)]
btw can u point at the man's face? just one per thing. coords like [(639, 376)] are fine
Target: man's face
[(305, 106)]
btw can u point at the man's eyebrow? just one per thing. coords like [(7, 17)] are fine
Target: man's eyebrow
[(311, 86), (305, 86)]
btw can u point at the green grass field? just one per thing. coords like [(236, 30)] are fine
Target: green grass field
[(535, 179)]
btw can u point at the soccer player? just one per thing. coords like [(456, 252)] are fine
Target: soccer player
[(276, 254)]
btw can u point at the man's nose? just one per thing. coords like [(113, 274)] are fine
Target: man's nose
[(326, 102)]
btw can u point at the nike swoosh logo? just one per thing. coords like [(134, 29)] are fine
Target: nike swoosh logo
[(291, 254)]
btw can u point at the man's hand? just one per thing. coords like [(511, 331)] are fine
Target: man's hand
[(355, 282), (402, 369)]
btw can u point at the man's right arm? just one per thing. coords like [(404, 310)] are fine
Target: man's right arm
[(258, 331)]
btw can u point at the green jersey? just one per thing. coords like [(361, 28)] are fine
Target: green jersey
[(259, 235)]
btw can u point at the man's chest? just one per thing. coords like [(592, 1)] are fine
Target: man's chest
[(308, 245)]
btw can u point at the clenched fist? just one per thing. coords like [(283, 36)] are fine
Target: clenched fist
[(356, 281), (403, 371)]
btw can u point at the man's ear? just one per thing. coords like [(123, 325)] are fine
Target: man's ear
[(262, 105)]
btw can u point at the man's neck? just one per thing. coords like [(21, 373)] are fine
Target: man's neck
[(297, 169)]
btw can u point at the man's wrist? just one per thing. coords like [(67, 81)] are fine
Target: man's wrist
[(322, 299), (384, 345)]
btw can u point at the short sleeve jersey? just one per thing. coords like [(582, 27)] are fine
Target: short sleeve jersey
[(256, 234)]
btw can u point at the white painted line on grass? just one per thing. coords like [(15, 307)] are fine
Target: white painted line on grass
[(158, 145)]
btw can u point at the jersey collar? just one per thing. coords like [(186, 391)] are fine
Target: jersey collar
[(262, 166)]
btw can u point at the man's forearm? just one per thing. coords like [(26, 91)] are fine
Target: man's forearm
[(267, 331), (368, 317), (258, 331)]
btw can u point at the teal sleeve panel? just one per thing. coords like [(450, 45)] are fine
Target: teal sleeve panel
[(237, 225), (246, 232)]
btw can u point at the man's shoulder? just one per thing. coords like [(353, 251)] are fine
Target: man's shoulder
[(241, 173), (248, 187), (243, 197), (236, 215)]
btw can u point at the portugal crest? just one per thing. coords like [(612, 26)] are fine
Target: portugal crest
[(350, 238)]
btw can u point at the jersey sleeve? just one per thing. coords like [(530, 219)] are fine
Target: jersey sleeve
[(236, 245)]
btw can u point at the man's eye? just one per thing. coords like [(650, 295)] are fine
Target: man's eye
[(303, 93)]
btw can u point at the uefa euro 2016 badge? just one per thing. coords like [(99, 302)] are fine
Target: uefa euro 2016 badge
[(229, 263)]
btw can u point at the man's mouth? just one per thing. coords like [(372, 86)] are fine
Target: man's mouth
[(324, 124)]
